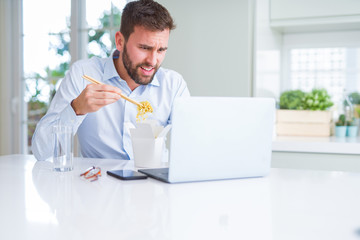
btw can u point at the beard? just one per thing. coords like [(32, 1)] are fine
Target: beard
[(133, 72)]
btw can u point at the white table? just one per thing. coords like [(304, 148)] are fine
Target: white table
[(37, 203)]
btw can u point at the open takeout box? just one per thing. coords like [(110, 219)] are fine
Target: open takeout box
[(148, 142)]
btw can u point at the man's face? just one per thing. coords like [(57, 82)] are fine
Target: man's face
[(143, 53)]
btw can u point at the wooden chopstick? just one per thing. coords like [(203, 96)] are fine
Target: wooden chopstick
[(92, 80)]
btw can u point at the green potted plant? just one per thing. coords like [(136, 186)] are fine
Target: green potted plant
[(340, 126), (352, 127), (304, 114), (291, 99), (316, 100), (355, 100)]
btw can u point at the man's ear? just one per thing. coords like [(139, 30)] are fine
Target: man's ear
[(119, 41)]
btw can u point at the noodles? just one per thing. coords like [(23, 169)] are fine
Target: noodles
[(142, 110)]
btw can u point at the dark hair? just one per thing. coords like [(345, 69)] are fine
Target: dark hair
[(146, 13)]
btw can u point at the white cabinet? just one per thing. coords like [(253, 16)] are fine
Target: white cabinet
[(316, 161), (314, 15), (317, 153)]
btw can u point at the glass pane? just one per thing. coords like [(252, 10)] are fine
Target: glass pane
[(46, 54), (119, 4), (44, 16), (36, 54), (323, 68), (95, 11), (100, 43), (103, 20)]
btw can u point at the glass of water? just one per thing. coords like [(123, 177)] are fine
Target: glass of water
[(63, 148)]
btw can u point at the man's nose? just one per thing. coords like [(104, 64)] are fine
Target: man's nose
[(152, 58)]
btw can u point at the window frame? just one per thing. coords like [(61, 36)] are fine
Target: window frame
[(11, 77)]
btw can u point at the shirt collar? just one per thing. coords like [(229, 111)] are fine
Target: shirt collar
[(110, 70), (155, 81)]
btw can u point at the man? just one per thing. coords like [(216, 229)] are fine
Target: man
[(97, 112)]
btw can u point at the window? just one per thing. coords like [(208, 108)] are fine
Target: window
[(46, 47), (330, 68), (46, 55), (322, 60)]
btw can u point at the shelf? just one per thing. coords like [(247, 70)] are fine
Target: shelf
[(317, 145)]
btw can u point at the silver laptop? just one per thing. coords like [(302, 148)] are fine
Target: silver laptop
[(216, 138)]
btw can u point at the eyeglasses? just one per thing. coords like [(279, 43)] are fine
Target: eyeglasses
[(92, 173)]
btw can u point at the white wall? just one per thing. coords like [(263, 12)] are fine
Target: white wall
[(212, 45), (268, 45)]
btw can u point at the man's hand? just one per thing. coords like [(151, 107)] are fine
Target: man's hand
[(94, 97)]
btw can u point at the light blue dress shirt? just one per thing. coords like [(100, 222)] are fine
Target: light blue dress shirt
[(102, 134)]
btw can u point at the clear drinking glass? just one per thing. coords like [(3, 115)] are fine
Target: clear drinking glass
[(63, 148)]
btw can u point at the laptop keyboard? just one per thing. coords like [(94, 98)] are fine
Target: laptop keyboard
[(163, 174), (158, 172)]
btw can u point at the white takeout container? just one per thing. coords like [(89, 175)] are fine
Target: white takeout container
[(148, 142)]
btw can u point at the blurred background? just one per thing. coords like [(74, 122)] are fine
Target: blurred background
[(243, 48)]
